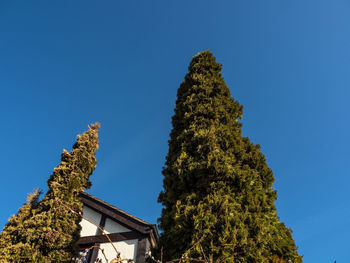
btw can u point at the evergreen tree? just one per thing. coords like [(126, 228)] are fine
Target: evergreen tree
[(12, 244), (49, 231), (218, 196)]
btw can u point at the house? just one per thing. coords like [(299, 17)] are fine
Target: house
[(131, 236)]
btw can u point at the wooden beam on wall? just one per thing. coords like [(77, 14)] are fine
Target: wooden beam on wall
[(115, 237), (141, 250)]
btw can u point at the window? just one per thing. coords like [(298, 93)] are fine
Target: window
[(85, 253)]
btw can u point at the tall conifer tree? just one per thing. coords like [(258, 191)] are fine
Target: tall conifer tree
[(48, 230), (218, 194)]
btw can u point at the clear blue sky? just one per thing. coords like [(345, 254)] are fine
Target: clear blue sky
[(65, 64)]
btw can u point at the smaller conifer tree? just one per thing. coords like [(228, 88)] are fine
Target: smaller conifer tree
[(12, 244), (49, 231)]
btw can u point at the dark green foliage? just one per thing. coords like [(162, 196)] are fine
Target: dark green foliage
[(47, 231), (217, 185)]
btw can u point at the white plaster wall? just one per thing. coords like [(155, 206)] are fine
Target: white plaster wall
[(113, 227), (148, 246), (88, 229), (127, 249)]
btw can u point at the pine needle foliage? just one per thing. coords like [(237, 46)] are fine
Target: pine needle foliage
[(46, 231), (218, 194)]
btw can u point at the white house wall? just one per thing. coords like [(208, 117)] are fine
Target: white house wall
[(127, 249), (148, 246), (113, 227), (88, 229)]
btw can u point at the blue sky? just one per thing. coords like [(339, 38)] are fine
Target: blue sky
[(65, 64)]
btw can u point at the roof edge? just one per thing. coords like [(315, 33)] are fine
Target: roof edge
[(143, 226)]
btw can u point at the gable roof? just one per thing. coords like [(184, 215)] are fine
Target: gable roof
[(121, 216)]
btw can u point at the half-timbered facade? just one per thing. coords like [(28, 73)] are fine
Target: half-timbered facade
[(131, 236)]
